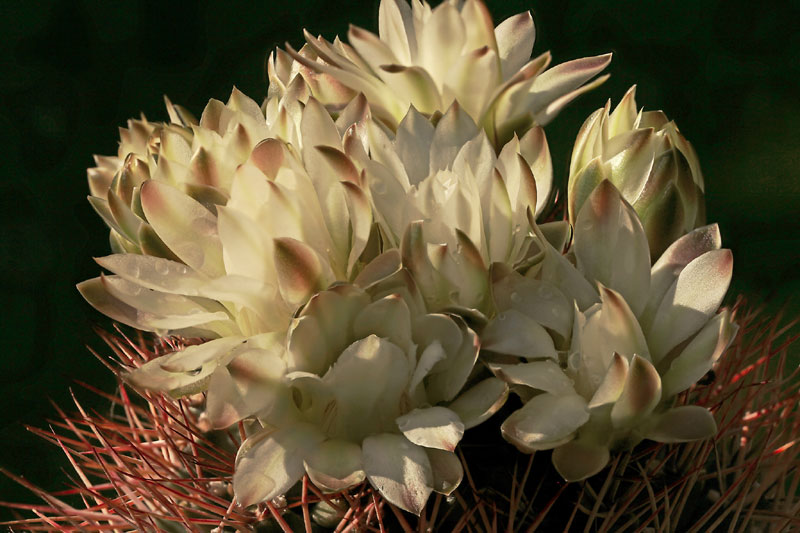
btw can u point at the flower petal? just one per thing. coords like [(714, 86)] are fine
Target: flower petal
[(691, 300), (515, 37), (613, 383), (447, 470), (683, 424), (188, 228), (611, 246), (271, 461), (577, 460), (399, 470), (545, 422), (701, 353), (432, 427), (335, 465), (673, 261), (478, 403), (514, 333), (545, 376), (640, 395)]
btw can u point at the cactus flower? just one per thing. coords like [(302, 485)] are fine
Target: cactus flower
[(603, 365), (652, 165), (430, 57), (372, 391)]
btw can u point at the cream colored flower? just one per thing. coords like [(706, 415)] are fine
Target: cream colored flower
[(293, 224), (430, 57), (602, 369), (454, 207), (373, 391)]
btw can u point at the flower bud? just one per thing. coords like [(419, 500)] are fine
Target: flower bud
[(645, 156)]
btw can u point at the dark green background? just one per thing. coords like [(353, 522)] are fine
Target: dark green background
[(73, 71)]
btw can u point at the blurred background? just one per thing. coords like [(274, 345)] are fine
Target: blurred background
[(76, 70)]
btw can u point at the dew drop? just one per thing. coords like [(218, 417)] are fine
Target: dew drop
[(162, 268), (516, 298), (204, 226), (501, 317)]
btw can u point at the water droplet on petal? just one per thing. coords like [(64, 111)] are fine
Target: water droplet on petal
[(516, 298), (162, 268)]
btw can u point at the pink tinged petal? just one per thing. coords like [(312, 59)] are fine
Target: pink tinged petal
[(447, 470), (472, 80), (432, 427), (545, 376), (583, 182), (558, 270), (509, 111), (128, 222), (683, 424), (691, 300), (163, 310), (184, 372), (153, 377), (396, 29), (514, 333), (630, 156), (307, 350), (360, 222), (335, 465), (154, 273), (414, 252), (248, 386), (379, 268), (271, 461), (95, 292), (577, 460), (611, 246), (640, 395), (546, 421), (499, 228), (184, 225), (300, 270), (246, 248), (673, 261), (625, 114), (700, 355), (481, 401), (368, 379), (371, 49), (268, 156), (448, 377), (563, 80), (515, 37), (441, 40), (340, 166), (413, 85), (558, 233), (613, 383), (613, 328), (536, 152), (412, 144), (388, 318), (540, 301), (452, 132), (478, 25), (399, 470), (101, 207)]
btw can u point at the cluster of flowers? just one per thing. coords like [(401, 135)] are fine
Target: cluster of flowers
[(361, 253)]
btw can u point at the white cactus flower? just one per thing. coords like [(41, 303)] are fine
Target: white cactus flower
[(373, 391), (452, 205), (430, 57), (645, 156), (294, 223), (197, 158), (602, 369)]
